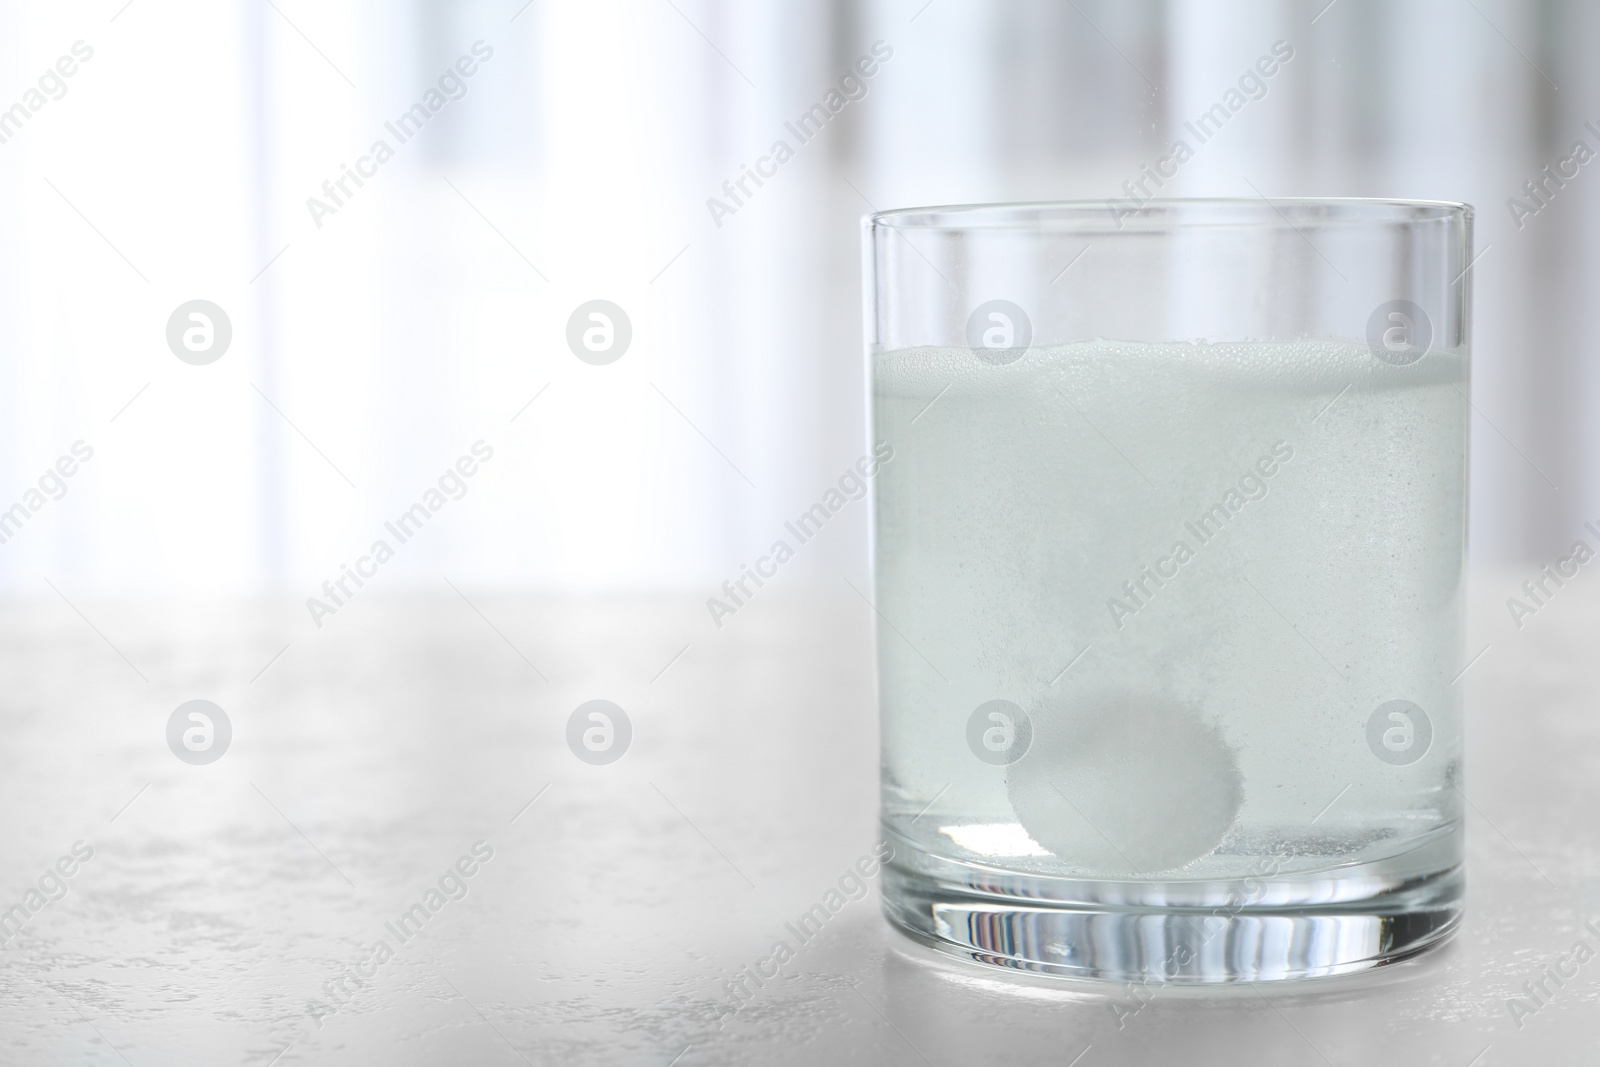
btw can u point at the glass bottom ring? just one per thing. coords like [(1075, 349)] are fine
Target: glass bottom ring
[(1305, 925)]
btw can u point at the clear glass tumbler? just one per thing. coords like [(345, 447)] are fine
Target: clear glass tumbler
[(1169, 558)]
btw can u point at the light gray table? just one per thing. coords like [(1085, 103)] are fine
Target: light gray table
[(373, 753)]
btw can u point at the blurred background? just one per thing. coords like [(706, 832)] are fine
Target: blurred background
[(377, 337)]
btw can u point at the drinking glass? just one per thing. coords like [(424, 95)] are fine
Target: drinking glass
[(1169, 557)]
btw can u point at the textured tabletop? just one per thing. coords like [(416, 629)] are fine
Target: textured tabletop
[(399, 859)]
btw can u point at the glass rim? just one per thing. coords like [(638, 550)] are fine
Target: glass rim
[(1159, 215)]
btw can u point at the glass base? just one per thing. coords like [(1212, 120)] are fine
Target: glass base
[(1304, 924)]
